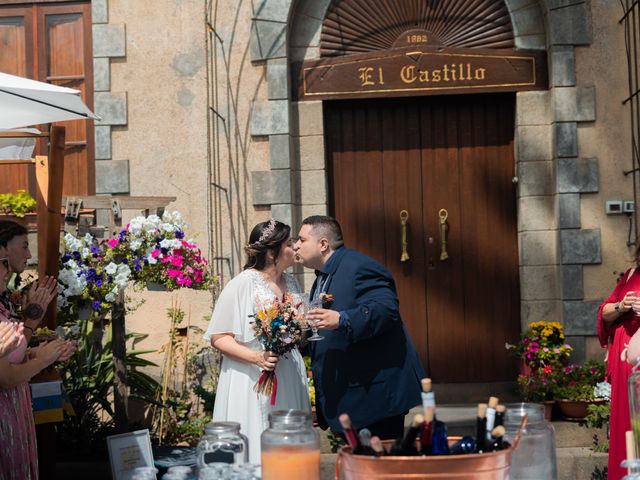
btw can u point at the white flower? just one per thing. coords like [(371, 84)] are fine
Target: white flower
[(170, 243), (111, 268), (135, 245), (110, 297), (602, 390), (85, 252)]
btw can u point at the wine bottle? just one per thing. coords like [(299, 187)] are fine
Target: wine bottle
[(463, 446), (349, 431), (408, 443), (440, 444), (481, 427), (377, 447), (496, 439), (428, 397), (491, 415), (426, 436), (364, 448), (500, 409)]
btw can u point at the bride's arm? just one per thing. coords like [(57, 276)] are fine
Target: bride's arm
[(228, 346)]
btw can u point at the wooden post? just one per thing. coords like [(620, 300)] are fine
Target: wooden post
[(49, 176), (118, 342)]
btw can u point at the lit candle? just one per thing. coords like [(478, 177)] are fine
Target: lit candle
[(288, 463)]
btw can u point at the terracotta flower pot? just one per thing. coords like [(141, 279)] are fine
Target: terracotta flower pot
[(576, 410), (548, 409)]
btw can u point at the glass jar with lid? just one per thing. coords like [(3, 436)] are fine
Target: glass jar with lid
[(290, 447), (535, 457), (222, 443)]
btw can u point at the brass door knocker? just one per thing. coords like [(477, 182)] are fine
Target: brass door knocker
[(444, 230), (404, 216)]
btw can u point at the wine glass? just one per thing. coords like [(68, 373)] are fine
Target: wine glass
[(309, 305)]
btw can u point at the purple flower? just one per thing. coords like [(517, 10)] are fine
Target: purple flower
[(66, 257), (99, 282), (122, 234), (179, 234), (77, 255), (96, 305)]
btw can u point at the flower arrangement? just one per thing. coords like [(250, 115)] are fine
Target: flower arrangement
[(277, 327), (326, 299), (581, 383), (158, 253), (541, 344), (543, 353)]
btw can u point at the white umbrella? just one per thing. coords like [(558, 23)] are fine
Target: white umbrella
[(28, 102)]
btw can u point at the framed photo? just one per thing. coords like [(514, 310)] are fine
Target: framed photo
[(128, 451)]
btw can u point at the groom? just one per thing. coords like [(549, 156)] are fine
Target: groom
[(366, 366)]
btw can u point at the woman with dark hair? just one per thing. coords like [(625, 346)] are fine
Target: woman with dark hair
[(269, 254), (617, 323)]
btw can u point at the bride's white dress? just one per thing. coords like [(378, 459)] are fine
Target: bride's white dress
[(235, 399)]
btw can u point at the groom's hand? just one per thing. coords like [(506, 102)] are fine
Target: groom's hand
[(325, 319)]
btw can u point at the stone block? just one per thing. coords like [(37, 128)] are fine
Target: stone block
[(279, 116), (574, 104), (99, 11), (313, 8), (271, 187), (112, 177), (535, 142), (101, 74), (103, 142), (539, 282), (111, 107), (563, 66), (535, 178), (109, 40), (577, 176), (276, 10), (308, 118), (280, 151), (534, 311), (580, 247), (566, 139), (305, 31), (531, 42), (187, 63), (536, 213), (539, 248), (318, 209), (572, 282), (569, 210), (579, 348), (268, 40), (260, 119), (311, 152), (278, 79), (283, 212), (594, 350), (580, 317), (298, 54), (528, 21), (534, 108), (313, 187), (571, 24)]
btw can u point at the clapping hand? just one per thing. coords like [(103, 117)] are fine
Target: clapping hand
[(10, 337), (39, 297)]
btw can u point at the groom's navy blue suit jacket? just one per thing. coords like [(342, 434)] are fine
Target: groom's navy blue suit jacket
[(368, 367)]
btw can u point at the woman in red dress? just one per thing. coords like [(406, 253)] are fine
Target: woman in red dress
[(617, 323)]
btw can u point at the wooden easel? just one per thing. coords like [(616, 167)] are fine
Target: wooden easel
[(116, 205)]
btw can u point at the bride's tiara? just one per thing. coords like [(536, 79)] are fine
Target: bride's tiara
[(266, 233)]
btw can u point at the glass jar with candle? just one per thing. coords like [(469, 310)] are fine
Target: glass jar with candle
[(290, 447), (222, 443), (535, 457)]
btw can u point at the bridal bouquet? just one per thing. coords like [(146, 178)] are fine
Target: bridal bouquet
[(278, 329)]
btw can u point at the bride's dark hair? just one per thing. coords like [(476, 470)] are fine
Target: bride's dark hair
[(265, 236)]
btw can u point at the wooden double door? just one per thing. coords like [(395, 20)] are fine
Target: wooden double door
[(428, 155)]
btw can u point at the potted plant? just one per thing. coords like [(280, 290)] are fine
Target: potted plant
[(19, 207), (542, 352), (577, 387)]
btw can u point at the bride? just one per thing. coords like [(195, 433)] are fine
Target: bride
[(270, 253)]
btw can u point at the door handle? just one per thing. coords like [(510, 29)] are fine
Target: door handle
[(444, 233), (404, 216)]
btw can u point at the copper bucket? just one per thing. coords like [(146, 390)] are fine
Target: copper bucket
[(483, 466)]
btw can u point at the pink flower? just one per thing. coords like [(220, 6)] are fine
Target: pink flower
[(155, 253), (176, 261), (113, 242), (173, 273)]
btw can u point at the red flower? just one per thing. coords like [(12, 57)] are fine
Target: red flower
[(547, 369)]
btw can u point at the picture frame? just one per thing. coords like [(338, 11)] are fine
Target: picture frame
[(128, 451)]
